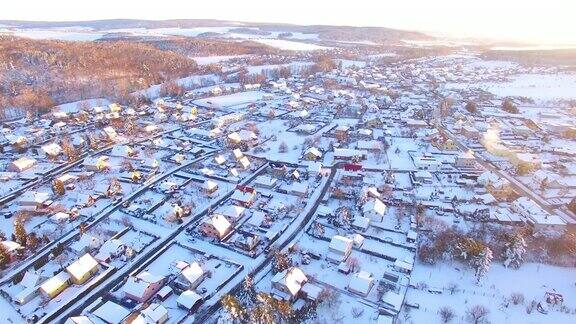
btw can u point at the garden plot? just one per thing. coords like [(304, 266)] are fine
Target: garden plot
[(218, 271), (328, 274)]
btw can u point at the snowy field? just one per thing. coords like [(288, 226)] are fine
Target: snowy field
[(206, 60), (56, 33), (291, 45), (88, 34), (542, 88), (531, 280), (231, 100)]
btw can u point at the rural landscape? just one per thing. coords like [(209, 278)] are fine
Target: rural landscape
[(215, 171)]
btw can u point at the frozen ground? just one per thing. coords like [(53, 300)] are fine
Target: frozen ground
[(532, 280), (541, 88), (60, 34), (206, 60), (291, 45)]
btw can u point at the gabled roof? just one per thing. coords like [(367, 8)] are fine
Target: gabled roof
[(374, 205), (293, 279), (192, 272), (82, 266), (340, 243), (111, 313), (361, 282), (220, 223), (188, 299)]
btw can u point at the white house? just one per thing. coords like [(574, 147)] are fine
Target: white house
[(153, 314), (288, 283), (361, 283), (189, 300), (191, 274), (21, 164), (374, 209), (339, 249)]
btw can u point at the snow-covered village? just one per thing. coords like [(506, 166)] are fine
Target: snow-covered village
[(294, 177)]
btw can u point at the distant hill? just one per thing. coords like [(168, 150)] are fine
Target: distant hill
[(325, 32)]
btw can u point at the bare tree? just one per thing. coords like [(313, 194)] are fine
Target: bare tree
[(477, 314), (517, 298), (446, 314), (452, 288)]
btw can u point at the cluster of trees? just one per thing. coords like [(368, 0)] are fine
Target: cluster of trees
[(557, 57), (29, 241), (253, 307), (347, 33), (210, 46), (476, 314), (477, 250), (509, 106), (171, 89), (323, 64), (280, 261), (472, 107), (510, 246), (36, 74), (250, 306)]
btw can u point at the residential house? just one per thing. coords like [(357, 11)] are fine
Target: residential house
[(233, 213), (244, 196), (465, 160), (55, 285), (190, 274), (189, 300), (82, 269), (541, 220), (216, 226), (209, 187), (361, 283), (374, 209), (99, 163), (312, 154), (34, 199), (111, 313), (143, 286), (265, 181), (288, 283), (153, 314), (22, 164), (349, 154), (339, 249)]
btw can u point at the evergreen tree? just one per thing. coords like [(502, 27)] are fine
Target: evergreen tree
[(20, 235), (471, 107), (247, 294), (233, 307), (515, 251), (58, 187), (482, 263), (33, 241), (284, 311), (4, 257), (265, 311)]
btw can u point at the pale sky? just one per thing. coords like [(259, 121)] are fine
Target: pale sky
[(545, 22)]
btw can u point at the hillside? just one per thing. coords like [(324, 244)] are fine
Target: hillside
[(35, 72)]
